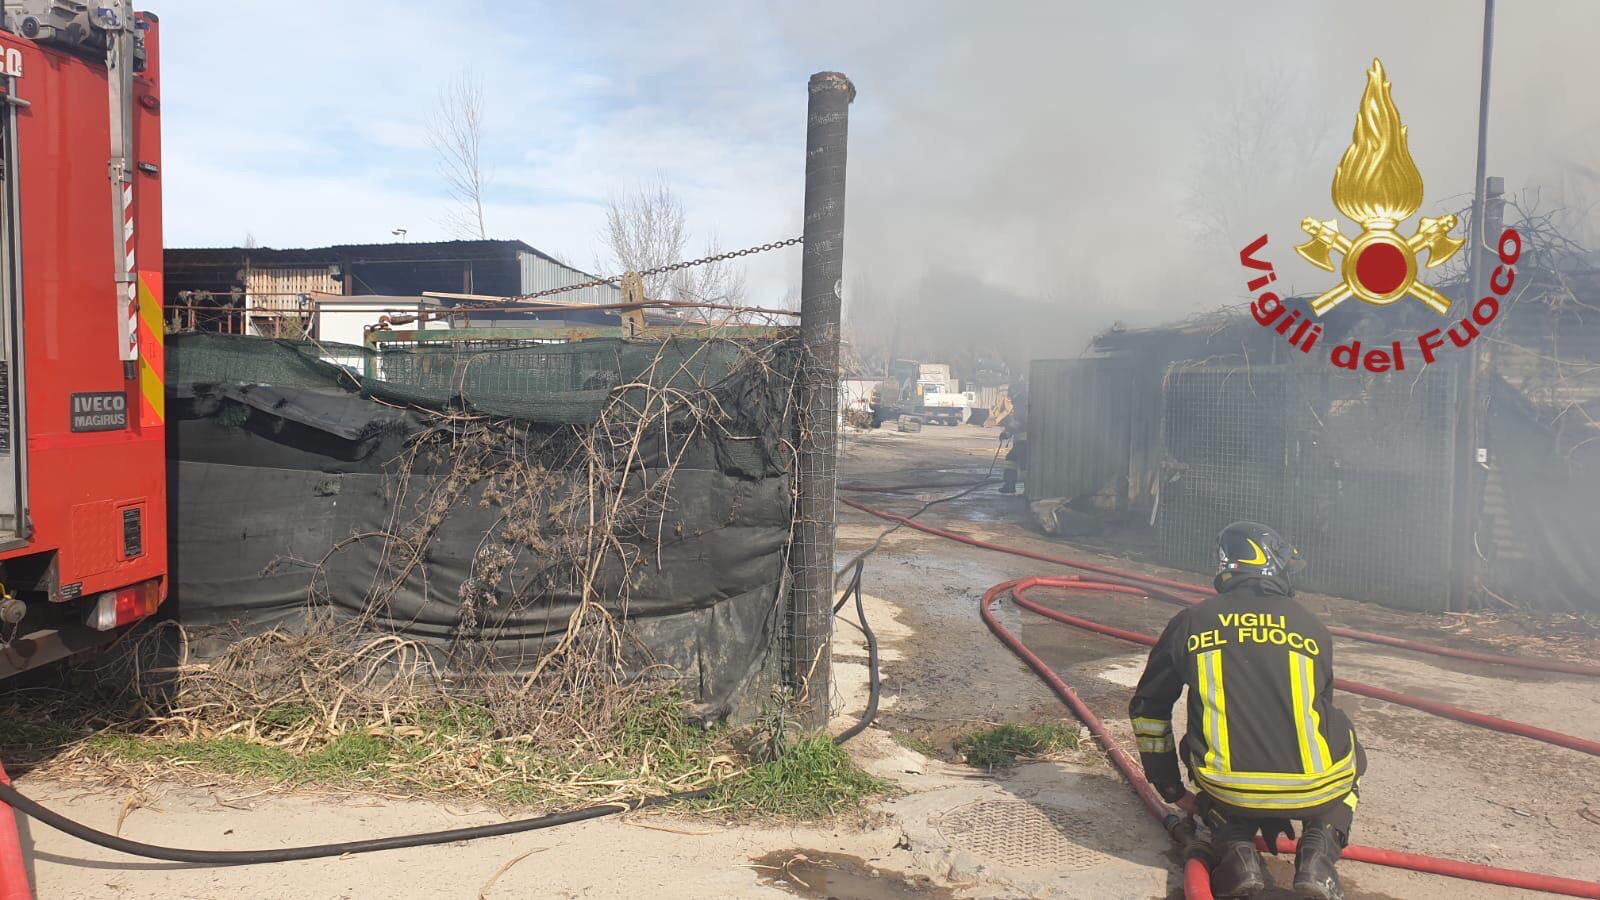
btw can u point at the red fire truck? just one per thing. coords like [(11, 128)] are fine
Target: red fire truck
[(83, 549)]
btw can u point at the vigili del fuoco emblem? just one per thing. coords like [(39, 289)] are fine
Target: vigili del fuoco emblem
[(1377, 185)]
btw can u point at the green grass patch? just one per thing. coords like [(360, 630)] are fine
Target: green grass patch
[(347, 758), (814, 780), (917, 743), (657, 726), (1001, 746), (286, 715), (28, 736), (461, 720)]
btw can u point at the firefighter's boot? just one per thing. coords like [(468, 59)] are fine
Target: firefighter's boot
[(1314, 859), (1008, 482), (1238, 872)]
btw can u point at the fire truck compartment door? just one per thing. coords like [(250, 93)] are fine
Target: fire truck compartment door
[(13, 444)]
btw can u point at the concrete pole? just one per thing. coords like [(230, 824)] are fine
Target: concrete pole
[(1467, 568), (1480, 236), (810, 625)]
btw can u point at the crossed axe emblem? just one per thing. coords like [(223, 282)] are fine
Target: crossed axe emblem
[(1379, 266)]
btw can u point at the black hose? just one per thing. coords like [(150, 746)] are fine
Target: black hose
[(11, 796), (82, 832), (873, 684), (884, 534)]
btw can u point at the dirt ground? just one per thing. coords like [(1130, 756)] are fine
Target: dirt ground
[(1064, 829)]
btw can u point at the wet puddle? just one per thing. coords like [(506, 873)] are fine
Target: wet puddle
[(836, 876)]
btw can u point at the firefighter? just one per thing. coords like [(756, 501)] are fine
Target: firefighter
[(1264, 744), (1014, 433)]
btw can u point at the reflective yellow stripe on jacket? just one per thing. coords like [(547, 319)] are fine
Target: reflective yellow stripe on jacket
[(1314, 756), (1154, 735), (1278, 790), (1214, 726), (1320, 779)]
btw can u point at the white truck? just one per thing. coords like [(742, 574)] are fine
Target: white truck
[(922, 391), (946, 407)]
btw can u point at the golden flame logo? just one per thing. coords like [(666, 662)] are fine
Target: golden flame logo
[(1377, 185), (1377, 179)]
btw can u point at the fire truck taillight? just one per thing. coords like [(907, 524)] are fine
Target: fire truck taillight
[(114, 609)]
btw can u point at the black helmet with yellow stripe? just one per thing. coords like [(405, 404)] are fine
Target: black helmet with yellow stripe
[(1250, 548)]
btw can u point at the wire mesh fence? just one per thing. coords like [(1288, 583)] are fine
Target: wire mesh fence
[(553, 383), (1224, 456), (1356, 469), (1371, 466)]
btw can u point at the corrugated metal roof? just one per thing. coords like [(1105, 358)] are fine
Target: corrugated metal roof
[(397, 251), (326, 299)]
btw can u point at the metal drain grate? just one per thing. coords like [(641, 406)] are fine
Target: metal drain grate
[(1022, 834)]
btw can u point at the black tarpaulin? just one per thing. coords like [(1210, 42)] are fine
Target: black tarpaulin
[(284, 504)]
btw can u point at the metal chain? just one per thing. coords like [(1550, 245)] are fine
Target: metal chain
[(658, 270)]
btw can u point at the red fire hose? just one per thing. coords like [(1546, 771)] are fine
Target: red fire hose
[(1196, 878), (1543, 665), (13, 869), (1445, 710)]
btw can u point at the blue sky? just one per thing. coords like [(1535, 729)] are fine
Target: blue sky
[(1048, 150), (305, 131)]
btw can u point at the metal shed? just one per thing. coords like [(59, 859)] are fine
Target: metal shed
[(264, 285), (1192, 425)]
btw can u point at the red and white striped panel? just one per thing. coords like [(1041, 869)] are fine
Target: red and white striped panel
[(130, 346)]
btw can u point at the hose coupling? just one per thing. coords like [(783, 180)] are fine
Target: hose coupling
[(12, 610)]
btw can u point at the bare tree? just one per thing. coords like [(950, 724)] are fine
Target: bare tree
[(1578, 196), (718, 282), (872, 320), (646, 228), (1253, 157), (455, 131)]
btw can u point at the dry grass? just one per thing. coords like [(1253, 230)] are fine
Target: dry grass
[(295, 712), (405, 734)]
